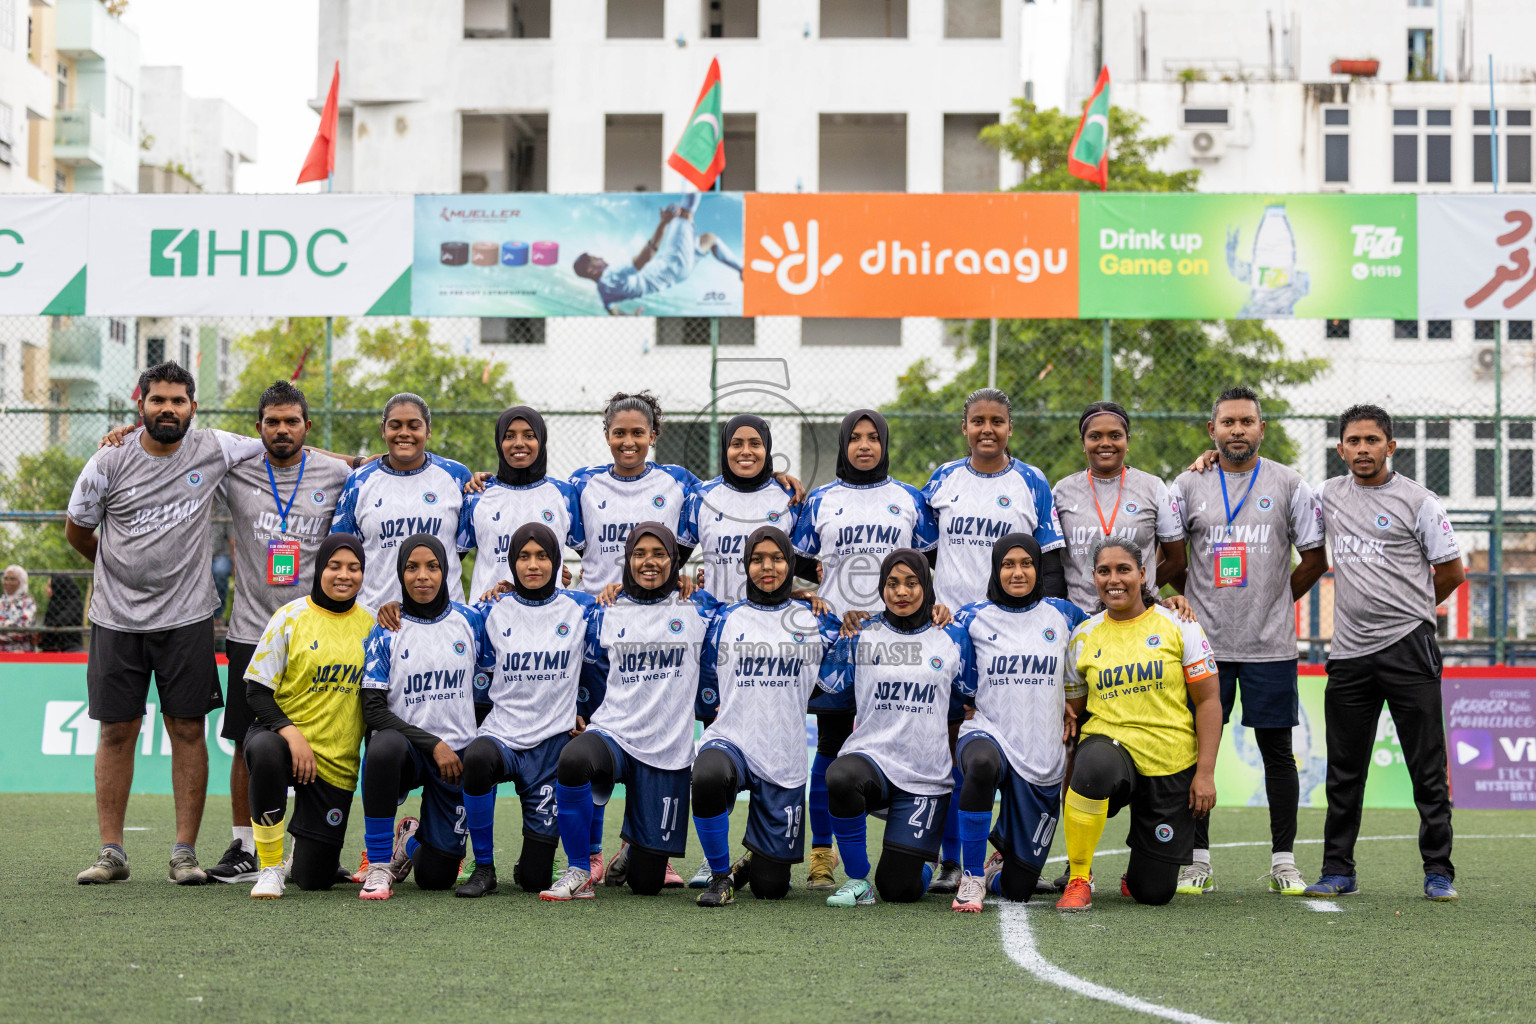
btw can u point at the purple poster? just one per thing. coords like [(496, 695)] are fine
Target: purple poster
[(1491, 741)]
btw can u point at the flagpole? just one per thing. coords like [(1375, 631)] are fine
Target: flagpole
[(329, 180), (714, 382), (1497, 611)]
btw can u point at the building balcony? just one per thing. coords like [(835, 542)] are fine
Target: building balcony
[(84, 30), (74, 350), (80, 137)]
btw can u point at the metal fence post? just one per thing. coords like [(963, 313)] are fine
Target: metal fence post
[(1107, 364), (992, 355), (714, 396), (328, 404), (1497, 610)]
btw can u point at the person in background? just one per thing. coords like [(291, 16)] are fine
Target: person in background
[(17, 610), (66, 611), (223, 542)]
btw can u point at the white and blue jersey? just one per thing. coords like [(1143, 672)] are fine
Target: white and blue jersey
[(850, 528), (976, 510), (383, 507), (759, 668), (488, 519), (429, 669), (642, 675), (720, 518), (531, 665), (610, 506), (1019, 675), (902, 684)]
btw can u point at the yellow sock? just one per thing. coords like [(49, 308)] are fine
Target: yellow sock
[(1085, 824), (269, 844)]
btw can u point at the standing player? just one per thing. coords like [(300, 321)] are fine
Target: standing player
[(418, 698), (1395, 559), (850, 525), (641, 677), (761, 662), (153, 605), (1141, 748), (902, 670), (533, 655), (302, 690), (1242, 522), (1111, 499), (721, 513), (408, 491), (1016, 740)]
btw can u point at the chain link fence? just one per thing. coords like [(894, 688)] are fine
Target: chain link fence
[(1463, 395)]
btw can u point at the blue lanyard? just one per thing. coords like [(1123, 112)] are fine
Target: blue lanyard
[(282, 510), (1221, 475)]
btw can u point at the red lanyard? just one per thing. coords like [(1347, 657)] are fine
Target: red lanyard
[(1094, 491)]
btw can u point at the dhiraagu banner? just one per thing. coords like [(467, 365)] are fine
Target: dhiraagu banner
[(42, 255), (1203, 256)]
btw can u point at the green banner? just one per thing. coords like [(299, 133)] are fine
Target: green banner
[(1205, 256)]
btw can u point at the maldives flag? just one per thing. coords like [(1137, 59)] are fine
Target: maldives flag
[(699, 155), (321, 161), (1088, 157)]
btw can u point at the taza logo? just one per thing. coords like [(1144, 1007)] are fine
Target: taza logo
[(176, 252)]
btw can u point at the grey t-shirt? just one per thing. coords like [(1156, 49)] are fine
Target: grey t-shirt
[(1143, 512), (152, 559), (1256, 622), (256, 520), (1384, 541)]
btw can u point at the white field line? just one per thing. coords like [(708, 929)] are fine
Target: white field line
[(1323, 906)]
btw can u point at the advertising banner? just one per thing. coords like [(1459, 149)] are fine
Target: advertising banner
[(1478, 257), (236, 255), (894, 254), (541, 255), (1491, 739), (42, 255), (1248, 256)]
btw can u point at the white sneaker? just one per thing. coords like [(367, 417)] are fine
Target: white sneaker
[(269, 883), (1285, 880), (1196, 880), (379, 885), (574, 884), (969, 896)]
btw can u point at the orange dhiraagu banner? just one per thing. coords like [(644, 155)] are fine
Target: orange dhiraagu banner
[(904, 254)]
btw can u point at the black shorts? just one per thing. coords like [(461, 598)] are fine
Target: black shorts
[(320, 810), (181, 659), (237, 714), (1162, 824)]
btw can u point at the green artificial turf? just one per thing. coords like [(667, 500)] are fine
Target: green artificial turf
[(145, 950)]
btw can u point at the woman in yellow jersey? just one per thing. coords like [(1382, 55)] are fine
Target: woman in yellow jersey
[(303, 688), (1136, 668)]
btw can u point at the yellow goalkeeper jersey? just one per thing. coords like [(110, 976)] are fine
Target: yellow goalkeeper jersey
[(1133, 674), (312, 660)]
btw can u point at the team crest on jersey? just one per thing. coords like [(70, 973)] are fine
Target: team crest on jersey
[(194, 478), (935, 663), (774, 517), (659, 501), (318, 497), (1265, 502), (430, 497), (1003, 501), (1383, 521), (333, 817), (1164, 832), (564, 629), (1154, 640), (458, 647), (547, 516), (708, 695), (581, 694), (676, 625), (1131, 507), (894, 510), (1050, 636)]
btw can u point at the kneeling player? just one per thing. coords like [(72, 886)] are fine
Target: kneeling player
[(418, 696), (640, 680), (902, 669), (1016, 741), (1141, 748), (760, 665), (534, 639), (301, 685)]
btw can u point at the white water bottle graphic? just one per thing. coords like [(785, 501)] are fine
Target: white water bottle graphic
[(1274, 283)]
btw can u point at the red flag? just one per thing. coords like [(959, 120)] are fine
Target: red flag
[(321, 161), (1088, 156)]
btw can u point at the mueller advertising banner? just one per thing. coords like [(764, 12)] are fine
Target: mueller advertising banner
[(42, 255), (536, 254), (1478, 257), (269, 255)]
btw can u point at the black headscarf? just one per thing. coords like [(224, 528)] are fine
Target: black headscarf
[(779, 594), (918, 563), (995, 592), (328, 547), (735, 423), (544, 537), (631, 585), (408, 605), (65, 608), (535, 472), (845, 469)]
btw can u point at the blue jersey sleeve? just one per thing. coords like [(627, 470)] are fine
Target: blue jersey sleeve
[(706, 704), (706, 603), (1047, 523), (1069, 611), (579, 480), (576, 536), (806, 540), (345, 519), (594, 668), (925, 534), (376, 658), (460, 472), (688, 522), (965, 673), (465, 540), (837, 666)]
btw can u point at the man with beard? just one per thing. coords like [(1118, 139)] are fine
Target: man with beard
[(153, 604), (1241, 522)]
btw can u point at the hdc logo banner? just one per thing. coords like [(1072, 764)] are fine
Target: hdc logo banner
[(1491, 741), (271, 255), (1478, 259), (42, 255), (888, 255)]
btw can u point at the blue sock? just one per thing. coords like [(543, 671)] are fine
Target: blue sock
[(595, 837), (851, 844), (573, 809), (927, 875), (952, 820), (715, 838), (480, 816), (411, 846), (379, 838), (975, 826), (821, 818)]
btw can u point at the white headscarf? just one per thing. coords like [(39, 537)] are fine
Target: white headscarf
[(22, 574)]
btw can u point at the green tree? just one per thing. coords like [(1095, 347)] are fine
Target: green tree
[(1039, 139), (41, 483)]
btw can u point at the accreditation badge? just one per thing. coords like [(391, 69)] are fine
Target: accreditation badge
[(283, 562), (1231, 564)]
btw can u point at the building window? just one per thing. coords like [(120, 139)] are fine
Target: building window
[(970, 165), (730, 19), (821, 331), (62, 99), (1405, 330), (1421, 54), (506, 19), (863, 19), (1437, 330), (122, 108), (7, 125), (1484, 330), (1334, 466), (1336, 146), (60, 182), (1519, 330), (1518, 481), (635, 19), (740, 174), (1336, 329), (229, 171), (863, 153), (1434, 142), (154, 351), (694, 330), (632, 153), (504, 152), (1206, 116), (973, 19), (117, 330), (512, 330), (7, 25), (1424, 453), (1514, 146)]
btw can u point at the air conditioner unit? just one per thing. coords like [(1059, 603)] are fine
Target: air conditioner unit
[(1485, 360), (1207, 145)]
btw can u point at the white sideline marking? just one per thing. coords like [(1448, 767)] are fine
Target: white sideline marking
[(1322, 906), (1318, 842)]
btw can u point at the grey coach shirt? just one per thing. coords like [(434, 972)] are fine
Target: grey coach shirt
[(1142, 511), (1256, 621), (153, 560), (1384, 540), (256, 519)]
